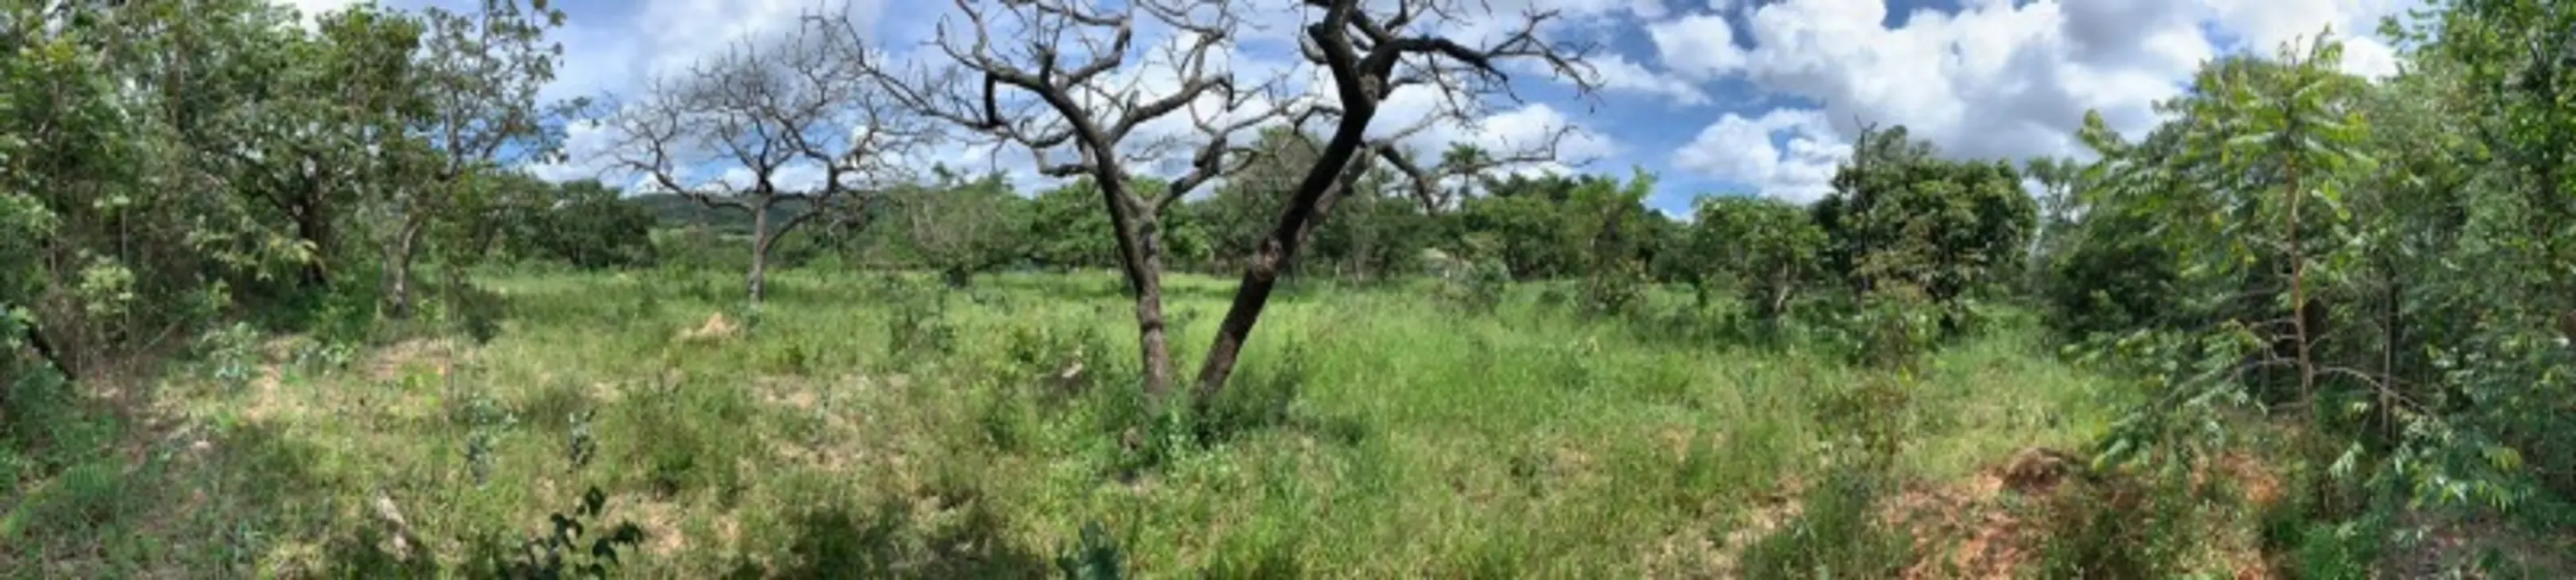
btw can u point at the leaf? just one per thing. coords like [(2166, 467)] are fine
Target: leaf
[(2503, 458)]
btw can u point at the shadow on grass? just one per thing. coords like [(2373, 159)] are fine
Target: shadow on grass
[(160, 504), (887, 542)]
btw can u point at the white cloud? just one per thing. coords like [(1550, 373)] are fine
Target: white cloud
[(1700, 45), (1740, 149), (1995, 78), (615, 53), (2266, 24), (1620, 74)]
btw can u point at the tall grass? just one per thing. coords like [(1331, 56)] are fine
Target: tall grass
[(861, 423)]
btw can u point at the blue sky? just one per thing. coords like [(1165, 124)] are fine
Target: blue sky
[(1713, 96)]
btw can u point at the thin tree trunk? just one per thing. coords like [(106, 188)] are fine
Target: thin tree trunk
[(2393, 324), (405, 244), (313, 224), (45, 350), (756, 283), (2299, 292)]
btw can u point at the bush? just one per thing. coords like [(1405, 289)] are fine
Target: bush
[(918, 331), (561, 551), (1476, 286), (1614, 291)]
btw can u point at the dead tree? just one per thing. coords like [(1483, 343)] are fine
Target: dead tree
[(787, 130), (1372, 51), (1053, 77)]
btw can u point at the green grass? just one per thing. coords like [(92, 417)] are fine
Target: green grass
[(1372, 432)]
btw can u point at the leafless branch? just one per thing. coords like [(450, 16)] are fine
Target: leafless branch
[(766, 110)]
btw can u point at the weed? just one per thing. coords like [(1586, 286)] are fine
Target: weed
[(561, 551), (1094, 555), (230, 355), (2117, 526), (1838, 533)]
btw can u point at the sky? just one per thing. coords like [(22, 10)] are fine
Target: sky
[(1713, 97)]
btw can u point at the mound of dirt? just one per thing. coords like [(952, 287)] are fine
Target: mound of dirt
[(2036, 470)]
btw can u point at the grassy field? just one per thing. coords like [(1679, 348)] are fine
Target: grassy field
[(858, 425)]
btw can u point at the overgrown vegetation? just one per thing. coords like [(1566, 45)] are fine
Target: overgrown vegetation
[(295, 306)]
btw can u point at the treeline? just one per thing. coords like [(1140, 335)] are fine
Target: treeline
[(1907, 216)]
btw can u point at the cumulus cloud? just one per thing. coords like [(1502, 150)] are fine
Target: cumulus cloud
[(1994, 78), (1741, 148)]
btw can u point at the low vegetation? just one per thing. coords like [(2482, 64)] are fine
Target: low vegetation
[(295, 306)]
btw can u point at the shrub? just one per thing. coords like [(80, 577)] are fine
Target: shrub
[(560, 552), (1476, 286), (918, 330)]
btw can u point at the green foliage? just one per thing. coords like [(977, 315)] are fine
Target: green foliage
[(231, 356), (917, 329), (1837, 534), (562, 553), (684, 441), (1094, 556), (1475, 286), (961, 227), (593, 229), (1899, 216), (1768, 248), (1067, 229)]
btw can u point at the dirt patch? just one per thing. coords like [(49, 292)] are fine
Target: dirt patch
[(716, 328), (2037, 471), (661, 520), (2260, 486), (1990, 525)]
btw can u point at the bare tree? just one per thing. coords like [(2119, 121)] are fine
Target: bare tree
[(1053, 75), (1373, 51), (790, 127), (1045, 76)]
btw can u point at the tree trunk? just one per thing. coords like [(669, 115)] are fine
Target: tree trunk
[(1141, 259), (1322, 187), (45, 350), (405, 244), (313, 224), (1261, 277), (756, 283)]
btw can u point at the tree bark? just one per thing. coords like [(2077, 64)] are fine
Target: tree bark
[(1142, 262), (405, 244), (313, 224), (756, 283), (1277, 249), (45, 350)]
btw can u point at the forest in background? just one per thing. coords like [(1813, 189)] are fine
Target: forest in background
[(2364, 288)]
